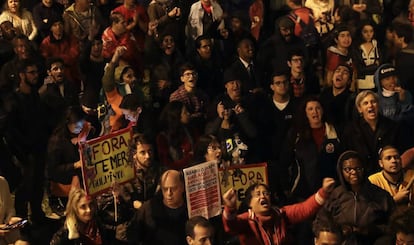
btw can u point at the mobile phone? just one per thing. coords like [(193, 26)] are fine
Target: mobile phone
[(15, 225)]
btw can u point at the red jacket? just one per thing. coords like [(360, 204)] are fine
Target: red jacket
[(251, 231), (67, 49), (131, 56)]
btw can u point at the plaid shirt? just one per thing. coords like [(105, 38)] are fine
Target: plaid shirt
[(196, 102)]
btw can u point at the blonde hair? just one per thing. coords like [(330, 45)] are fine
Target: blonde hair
[(361, 95), (71, 221)]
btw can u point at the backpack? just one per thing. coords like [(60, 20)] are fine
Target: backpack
[(307, 31)]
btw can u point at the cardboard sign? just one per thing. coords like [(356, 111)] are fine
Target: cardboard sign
[(241, 177), (106, 160), (203, 190)]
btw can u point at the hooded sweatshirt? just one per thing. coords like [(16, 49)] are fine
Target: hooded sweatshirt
[(390, 105)]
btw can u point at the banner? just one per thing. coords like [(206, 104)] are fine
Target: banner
[(241, 177), (203, 190), (106, 160)]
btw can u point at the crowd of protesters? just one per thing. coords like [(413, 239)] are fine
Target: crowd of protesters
[(320, 90)]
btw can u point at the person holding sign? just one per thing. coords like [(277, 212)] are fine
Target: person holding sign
[(63, 160), (264, 224)]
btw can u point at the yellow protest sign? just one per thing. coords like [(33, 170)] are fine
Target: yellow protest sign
[(241, 177), (106, 160)]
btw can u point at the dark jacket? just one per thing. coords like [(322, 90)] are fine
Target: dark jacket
[(368, 210), (155, 224), (61, 237), (314, 163), (61, 154), (359, 136)]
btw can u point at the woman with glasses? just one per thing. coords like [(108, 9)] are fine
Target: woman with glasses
[(359, 207)]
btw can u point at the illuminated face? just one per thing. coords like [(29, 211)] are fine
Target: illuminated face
[(76, 127), (286, 33), (172, 190), (246, 50), (341, 77), (21, 49), (368, 107), (56, 71), (260, 202), (327, 238), (280, 85), (168, 45), (144, 154), (205, 49), (131, 115), (31, 75), (13, 6), (404, 239), (344, 39), (202, 236), (189, 79), (213, 151), (129, 77), (352, 171), (121, 25), (233, 89), (84, 210), (296, 64), (390, 161), (389, 83), (368, 33), (57, 30), (314, 113)]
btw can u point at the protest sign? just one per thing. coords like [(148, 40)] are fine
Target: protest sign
[(203, 190), (105, 160), (240, 177)]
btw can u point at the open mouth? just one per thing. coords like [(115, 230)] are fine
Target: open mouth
[(371, 112), (264, 203)]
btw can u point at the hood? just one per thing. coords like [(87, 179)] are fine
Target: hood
[(346, 155), (378, 83)]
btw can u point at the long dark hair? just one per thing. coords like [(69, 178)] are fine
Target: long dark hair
[(201, 147), (72, 114), (301, 122)]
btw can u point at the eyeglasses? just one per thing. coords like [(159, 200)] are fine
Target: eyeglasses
[(259, 194), (188, 74), (280, 83), (349, 169)]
